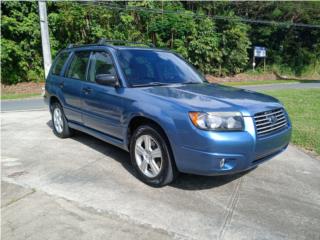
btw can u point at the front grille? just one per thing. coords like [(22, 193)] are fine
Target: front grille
[(270, 121)]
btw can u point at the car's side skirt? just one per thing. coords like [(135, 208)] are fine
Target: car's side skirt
[(106, 138)]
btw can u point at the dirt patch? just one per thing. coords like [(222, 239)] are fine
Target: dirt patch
[(23, 88), (243, 77)]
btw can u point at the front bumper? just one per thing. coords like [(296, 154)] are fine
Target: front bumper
[(240, 150)]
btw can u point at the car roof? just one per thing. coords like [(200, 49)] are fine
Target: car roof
[(116, 47), (137, 48)]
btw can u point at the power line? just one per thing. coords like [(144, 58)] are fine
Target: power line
[(216, 17)]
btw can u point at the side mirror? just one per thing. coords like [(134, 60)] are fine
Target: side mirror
[(107, 79)]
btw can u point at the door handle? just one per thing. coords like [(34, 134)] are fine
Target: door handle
[(86, 90), (61, 85)]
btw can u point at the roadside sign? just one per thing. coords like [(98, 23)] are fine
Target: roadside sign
[(260, 52)]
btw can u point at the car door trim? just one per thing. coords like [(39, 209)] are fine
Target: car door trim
[(102, 136)]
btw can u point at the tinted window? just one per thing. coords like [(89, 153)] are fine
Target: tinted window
[(146, 66), (78, 66), (101, 64), (61, 59)]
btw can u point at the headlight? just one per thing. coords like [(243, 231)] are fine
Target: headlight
[(219, 121)]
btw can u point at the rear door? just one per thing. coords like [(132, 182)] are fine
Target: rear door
[(71, 85), (102, 105), (55, 77)]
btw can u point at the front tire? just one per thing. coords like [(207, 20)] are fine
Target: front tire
[(59, 122), (151, 156)]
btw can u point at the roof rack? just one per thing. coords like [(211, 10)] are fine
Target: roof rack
[(104, 41)]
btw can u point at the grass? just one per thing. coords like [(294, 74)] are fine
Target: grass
[(7, 96), (303, 106)]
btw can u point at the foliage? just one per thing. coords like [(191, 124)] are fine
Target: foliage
[(234, 46), (216, 46), (293, 48), (203, 49), (20, 43)]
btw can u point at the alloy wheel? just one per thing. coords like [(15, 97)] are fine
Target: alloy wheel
[(57, 120), (148, 156)]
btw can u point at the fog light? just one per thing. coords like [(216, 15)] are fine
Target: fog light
[(222, 162)]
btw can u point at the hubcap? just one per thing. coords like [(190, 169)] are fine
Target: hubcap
[(57, 120), (148, 155)]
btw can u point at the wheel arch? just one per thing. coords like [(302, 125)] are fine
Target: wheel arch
[(53, 99), (137, 121)]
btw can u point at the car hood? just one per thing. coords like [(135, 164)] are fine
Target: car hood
[(215, 97)]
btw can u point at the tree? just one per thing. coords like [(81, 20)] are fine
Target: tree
[(219, 46), (234, 44), (203, 49), (21, 43)]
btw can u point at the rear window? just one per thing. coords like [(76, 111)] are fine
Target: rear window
[(78, 66), (61, 59)]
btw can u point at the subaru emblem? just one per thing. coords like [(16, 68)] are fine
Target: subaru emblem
[(272, 119)]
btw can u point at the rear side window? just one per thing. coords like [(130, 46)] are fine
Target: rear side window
[(61, 59), (78, 66)]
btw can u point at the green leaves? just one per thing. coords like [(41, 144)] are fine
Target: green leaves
[(219, 47), (21, 43), (203, 49)]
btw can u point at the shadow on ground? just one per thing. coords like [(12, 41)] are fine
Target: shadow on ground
[(184, 181)]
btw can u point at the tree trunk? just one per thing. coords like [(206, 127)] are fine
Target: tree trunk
[(171, 39), (154, 38)]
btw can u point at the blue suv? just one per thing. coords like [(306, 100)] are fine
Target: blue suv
[(153, 104)]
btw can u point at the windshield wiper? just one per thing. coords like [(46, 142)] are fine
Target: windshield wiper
[(150, 84)]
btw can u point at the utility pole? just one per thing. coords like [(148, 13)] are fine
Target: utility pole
[(45, 37)]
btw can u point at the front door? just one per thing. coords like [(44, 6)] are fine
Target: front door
[(102, 105)]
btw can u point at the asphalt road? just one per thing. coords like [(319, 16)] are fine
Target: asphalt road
[(38, 104), (81, 187), (29, 104)]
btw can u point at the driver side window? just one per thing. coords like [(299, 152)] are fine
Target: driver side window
[(101, 64)]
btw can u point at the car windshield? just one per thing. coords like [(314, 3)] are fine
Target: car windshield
[(146, 67)]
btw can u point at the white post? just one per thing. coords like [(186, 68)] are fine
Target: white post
[(45, 37), (253, 63)]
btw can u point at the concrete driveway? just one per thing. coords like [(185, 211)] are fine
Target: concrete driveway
[(83, 188)]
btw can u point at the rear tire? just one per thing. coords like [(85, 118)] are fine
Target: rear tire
[(59, 121), (151, 156)]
